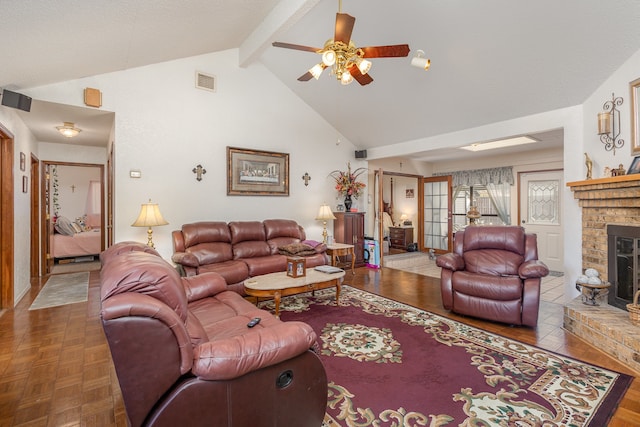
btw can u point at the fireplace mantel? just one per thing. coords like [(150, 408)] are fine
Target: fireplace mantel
[(614, 181)]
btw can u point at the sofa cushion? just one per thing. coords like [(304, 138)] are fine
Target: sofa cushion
[(233, 271), (205, 232), (208, 253), (495, 237), (495, 288), (242, 231), (266, 264), (492, 261), (282, 228), (152, 276), (250, 249)]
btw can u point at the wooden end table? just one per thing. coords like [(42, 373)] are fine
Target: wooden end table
[(278, 285), (336, 250)]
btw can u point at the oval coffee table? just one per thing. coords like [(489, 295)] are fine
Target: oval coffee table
[(277, 285)]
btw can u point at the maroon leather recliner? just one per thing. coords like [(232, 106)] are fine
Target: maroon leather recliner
[(185, 355), (493, 273)]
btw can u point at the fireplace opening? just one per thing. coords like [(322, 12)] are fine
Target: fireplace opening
[(623, 252)]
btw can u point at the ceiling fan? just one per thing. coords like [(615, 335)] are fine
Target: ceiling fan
[(347, 61)]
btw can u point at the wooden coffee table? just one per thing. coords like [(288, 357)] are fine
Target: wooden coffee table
[(277, 285)]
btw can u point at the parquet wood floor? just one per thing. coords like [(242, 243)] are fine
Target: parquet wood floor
[(56, 369)]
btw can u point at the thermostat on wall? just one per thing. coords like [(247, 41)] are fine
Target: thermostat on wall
[(135, 173)]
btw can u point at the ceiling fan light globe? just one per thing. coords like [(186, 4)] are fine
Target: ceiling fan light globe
[(329, 58), (363, 65), (419, 62), (346, 78), (316, 71)]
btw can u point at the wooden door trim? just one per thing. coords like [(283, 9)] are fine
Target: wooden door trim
[(35, 215), (6, 218)]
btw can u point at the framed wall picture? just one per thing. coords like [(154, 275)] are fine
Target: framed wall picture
[(634, 87), (23, 162), (25, 184), (635, 166), (253, 173)]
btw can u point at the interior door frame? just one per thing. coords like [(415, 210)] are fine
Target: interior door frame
[(7, 215), (378, 205), (45, 216), (35, 229)]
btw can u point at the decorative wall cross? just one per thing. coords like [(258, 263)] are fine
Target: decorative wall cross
[(306, 177), (199, 171)]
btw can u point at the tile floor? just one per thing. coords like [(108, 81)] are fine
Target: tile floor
[(419, 263)]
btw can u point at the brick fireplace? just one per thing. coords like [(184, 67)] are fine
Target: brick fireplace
[(605, 201)]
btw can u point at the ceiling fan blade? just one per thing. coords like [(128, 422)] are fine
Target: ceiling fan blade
[(363, 79), (344, 28), (395, 50), (296, 47), (305, 77)]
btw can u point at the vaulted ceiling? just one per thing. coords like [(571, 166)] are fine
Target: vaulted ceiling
[(492, 60)]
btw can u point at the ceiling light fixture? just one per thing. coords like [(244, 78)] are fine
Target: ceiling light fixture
[(420, 61), (502, 143), (341, 58), (68, 130)]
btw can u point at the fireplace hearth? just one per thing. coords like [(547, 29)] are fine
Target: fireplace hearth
[(623, 255), (608, 203)]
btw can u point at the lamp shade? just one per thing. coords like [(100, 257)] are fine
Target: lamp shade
[(325, 214), (149, 216)]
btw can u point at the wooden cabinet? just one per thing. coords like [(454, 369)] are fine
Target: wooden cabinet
[(400, 237), (348, 227)]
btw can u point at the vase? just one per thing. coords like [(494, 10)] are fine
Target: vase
[(347, 203)]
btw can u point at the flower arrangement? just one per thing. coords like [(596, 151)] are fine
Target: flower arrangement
[(347, 183)]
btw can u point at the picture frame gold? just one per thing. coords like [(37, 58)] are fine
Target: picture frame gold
[(23, 162), (634, 88), (257, 173), (25, 184)]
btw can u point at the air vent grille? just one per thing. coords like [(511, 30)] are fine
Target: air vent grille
[(205, 81)]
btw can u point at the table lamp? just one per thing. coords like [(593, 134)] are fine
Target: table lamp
[(324, 214), (149, 216)]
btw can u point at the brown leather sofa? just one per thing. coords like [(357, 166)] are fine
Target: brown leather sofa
[(241, 249), (184, 354), (493, 273)]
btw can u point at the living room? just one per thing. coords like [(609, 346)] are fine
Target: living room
[(164, 127)]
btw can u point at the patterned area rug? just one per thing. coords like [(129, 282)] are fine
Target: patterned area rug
[(390, 364), (62, 289)]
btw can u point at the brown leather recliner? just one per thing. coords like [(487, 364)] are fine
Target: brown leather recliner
[(185, 355), (493, 273)]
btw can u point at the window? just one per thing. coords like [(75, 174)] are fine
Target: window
[(475, 195)]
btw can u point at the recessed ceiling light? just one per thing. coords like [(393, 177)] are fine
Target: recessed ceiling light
[(502, 143)]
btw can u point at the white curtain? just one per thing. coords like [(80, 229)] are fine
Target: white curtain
[(93, 199), (500, 195)]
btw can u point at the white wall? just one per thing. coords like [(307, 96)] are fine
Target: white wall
[(24, 142), (73, 188), (164, 127)]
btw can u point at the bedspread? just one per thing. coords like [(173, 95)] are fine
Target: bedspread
[(80, 244)]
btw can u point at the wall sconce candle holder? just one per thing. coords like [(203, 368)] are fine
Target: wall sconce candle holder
[(609, 124)]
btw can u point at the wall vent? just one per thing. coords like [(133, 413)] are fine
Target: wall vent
[(205, 81)]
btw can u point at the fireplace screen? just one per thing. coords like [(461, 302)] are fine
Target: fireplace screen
[(623, 257)]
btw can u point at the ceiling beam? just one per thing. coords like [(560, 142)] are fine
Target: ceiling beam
[(282, 17)]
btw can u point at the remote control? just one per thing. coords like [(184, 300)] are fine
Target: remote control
[(253, 322)]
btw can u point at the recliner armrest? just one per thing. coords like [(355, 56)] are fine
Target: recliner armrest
[(233, 357), (203, 285), (533, 269), (185, 258), (450, 261)]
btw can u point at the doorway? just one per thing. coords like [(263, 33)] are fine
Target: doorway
[(540, 212), (72, 196)]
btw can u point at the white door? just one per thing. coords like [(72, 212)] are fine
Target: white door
[(541, 213)]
